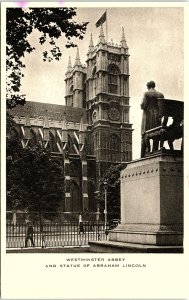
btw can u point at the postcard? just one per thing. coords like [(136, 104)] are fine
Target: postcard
[(94, 160)]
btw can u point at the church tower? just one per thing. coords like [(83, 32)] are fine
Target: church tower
[(75, 83), (107, 90), (101, 90)]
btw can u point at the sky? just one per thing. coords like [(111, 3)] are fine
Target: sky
[(155, 38)]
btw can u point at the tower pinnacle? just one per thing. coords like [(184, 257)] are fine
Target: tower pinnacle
[(77, 59), (69, 65), (91, 45), (123, 40)]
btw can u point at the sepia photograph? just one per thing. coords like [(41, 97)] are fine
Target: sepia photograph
[(94, 134)]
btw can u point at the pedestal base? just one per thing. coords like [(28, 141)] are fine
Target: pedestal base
[(120, 247), (147, 238)]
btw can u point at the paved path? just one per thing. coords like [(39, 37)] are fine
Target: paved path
[(50, 250)]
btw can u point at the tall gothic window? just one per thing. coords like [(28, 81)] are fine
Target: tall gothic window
[(94, 81), (71, 89), (113, 72), (126, 116), (114, 148)]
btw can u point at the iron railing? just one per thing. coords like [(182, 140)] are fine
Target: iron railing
[(55, 234)]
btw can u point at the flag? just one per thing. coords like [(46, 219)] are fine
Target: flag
[(101, 20)]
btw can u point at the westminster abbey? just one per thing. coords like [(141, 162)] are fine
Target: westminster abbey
[(92, 130)]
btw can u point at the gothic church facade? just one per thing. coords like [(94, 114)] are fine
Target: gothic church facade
[(92, 130)]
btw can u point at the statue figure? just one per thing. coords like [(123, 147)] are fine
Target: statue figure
[(150, 118)]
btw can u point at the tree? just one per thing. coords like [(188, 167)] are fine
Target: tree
[(112, 178), (51, 23), (35, 180)]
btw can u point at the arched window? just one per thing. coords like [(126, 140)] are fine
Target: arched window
[(115, 148), (84, 95), (94, 81), (94, 72), (113, 72), (71, 89), (75, 203), (126, 116), (104, 141), (75, 168)]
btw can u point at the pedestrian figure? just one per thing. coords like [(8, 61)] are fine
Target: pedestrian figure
[(14, 221), (81, 227), (29, 235), (91, 227)]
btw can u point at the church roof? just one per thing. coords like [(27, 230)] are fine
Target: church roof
[(52, 111)]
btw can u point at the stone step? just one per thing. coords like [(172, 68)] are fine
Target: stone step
[(121, 247)]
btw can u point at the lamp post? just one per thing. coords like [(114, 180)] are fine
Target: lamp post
[(105, 199)]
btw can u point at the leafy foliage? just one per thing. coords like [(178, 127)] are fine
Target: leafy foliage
[(51, 23), (34, 179), (112, 179)]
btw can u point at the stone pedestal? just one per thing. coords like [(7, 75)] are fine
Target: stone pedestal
[(151, 205), (151, 202)]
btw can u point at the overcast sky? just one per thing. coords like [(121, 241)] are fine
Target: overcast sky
[(155, 39)]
